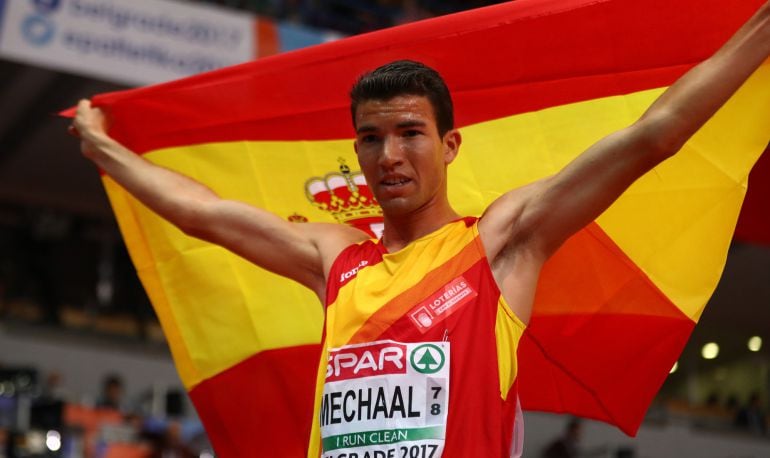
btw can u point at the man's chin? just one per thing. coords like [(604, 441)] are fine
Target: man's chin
[(397, 207)]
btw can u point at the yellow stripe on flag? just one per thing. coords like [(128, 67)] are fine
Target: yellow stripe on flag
[(676, 222)]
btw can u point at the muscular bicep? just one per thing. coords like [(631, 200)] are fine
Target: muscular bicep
[(300, 251)]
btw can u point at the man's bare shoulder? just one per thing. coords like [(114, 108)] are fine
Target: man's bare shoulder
[(330, 239), (333, 233)]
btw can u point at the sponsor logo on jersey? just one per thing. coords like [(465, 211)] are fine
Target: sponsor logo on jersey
[(352, 272), (367, 360), (444, 302)]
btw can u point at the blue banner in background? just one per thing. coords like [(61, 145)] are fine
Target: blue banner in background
[(293, 36), (2, 15)]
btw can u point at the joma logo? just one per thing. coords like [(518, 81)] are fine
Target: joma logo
[(352, 272)]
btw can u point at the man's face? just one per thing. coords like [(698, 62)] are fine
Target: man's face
[(114, 392), (401, 153)]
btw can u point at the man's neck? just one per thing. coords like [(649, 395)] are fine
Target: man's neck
[(402, 230)]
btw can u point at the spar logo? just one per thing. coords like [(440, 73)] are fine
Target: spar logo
[(427, 358), (378, 358), (37, 27)]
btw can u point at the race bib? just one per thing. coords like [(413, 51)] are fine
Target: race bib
[(385, 399)]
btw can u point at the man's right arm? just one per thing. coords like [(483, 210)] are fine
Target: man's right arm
[(302, 252)]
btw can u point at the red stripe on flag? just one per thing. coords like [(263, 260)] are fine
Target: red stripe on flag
[(579, 315), (265, 398), (499, 61), (754, 223), (636, 366)]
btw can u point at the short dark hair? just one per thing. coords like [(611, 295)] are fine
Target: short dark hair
[(112, 380), (405, 77)]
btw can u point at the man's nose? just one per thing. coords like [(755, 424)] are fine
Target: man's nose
[(392, 152)]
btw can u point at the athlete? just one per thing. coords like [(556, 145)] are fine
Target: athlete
[(450, 294)]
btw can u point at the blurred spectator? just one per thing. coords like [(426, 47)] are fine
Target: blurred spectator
[(112, 393), (567, 445), (47, 410), (712, 401), (752, 417), (625, 452), (412, 11), (53, 388), (172, 445), (3, 442), (167, 439)]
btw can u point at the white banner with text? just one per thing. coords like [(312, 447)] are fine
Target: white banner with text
[(135, 43)]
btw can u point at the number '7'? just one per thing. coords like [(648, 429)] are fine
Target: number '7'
[(436, 391)]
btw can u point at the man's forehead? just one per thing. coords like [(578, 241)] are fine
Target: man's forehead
[(401, 109)]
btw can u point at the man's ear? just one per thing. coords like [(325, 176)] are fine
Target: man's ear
[(355, 146), (452, 141)]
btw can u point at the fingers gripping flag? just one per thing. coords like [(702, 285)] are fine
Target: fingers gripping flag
[(535, 83)]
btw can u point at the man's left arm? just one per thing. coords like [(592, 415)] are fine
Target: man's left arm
[(528, 224)]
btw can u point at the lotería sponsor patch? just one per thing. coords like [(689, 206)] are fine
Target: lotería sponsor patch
[(444, 302)]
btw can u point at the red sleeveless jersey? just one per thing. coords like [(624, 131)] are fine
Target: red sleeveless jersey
[(419, 353)]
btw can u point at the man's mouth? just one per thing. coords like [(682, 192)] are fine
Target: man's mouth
[(395, 181)]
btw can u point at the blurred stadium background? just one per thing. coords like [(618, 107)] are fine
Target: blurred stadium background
[(73, 316)]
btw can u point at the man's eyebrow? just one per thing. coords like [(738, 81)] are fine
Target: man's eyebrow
[(365, 129), (411, 123)]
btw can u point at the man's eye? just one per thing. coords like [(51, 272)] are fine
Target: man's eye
[(411, 133), (369, 138)]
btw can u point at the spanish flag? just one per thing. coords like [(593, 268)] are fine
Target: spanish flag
[(535, 82)]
